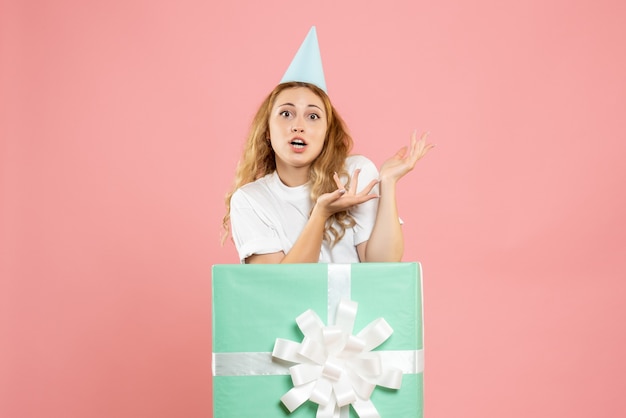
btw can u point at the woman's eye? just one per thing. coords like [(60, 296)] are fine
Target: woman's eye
[(313, 116), (285, 113)]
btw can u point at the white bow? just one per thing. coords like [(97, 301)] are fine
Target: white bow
[(335, 368)]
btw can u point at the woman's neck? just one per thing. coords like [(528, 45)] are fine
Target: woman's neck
[(293, 176)]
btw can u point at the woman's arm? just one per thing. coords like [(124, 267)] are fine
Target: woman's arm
[(386, 243), (307, 247)]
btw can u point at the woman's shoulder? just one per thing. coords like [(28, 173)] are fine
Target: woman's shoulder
[(359, 161), (259, 186)]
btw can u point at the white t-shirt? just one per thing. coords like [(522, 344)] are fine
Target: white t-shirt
[(267, 216)]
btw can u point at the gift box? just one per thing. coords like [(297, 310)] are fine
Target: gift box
[(371, 313)]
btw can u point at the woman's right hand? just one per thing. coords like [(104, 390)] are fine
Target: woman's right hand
[(343, 198)]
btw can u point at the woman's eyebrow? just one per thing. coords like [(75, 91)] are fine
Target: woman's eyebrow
[(293, 105)]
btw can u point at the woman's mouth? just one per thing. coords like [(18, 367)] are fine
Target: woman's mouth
[(297, 143)]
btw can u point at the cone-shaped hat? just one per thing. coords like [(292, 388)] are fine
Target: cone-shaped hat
[(307, 64)]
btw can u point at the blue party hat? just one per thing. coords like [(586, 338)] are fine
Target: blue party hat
[(307, 63)]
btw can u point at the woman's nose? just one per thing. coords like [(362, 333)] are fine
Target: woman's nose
[(297, 129)]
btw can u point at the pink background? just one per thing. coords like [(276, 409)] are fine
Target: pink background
[(121, 123)]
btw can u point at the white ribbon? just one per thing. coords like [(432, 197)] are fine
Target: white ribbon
[(335, 368)]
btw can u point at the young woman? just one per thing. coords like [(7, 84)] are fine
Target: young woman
[(298, 195)]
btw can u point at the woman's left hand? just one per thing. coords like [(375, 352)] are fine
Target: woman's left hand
[(405, 159)]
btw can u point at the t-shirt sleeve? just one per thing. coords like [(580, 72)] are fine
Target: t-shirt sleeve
[(364, 214), (253, 231)]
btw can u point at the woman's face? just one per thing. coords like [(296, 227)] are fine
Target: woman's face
[(297, 125)]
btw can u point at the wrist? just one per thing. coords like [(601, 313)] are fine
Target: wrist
[(319, 213), (387, 183)]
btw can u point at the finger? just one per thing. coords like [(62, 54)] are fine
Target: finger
[(369, 187), (422, 139), (338, 182), (366, 198), (354, 183), (428, 148), (425, 147), (401, 153), (413, 156), (336, 195), (353, 201), (422, 146), (415, 144)]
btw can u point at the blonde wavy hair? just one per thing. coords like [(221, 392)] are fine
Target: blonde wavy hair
[(258, 159)]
